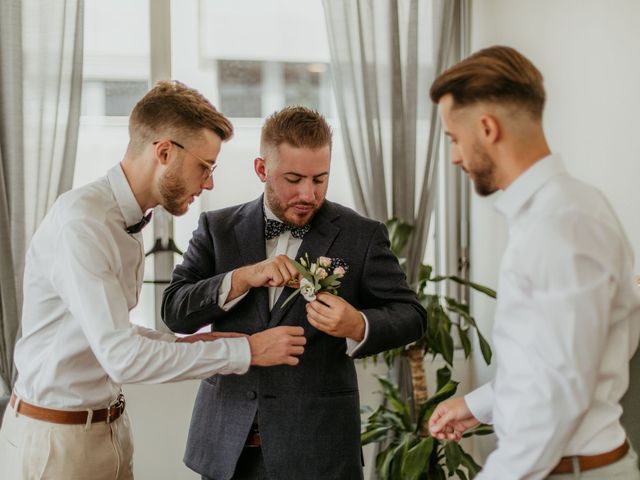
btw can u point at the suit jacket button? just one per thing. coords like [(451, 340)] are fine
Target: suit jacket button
[(251, 395)]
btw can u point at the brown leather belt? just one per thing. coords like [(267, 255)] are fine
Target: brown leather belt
[(78, 417), (253, 440), (589, 462)]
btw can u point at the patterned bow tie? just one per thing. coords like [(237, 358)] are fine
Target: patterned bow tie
[(273, 228), (137, 227)]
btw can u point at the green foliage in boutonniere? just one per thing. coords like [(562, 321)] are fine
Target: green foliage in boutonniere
[(323, 275)]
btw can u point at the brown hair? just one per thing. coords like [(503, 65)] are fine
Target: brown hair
[(173, 108), (296, 125), (496, 74)]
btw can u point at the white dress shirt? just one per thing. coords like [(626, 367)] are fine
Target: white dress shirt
[(567, 323), (83, 274), (283, 244)]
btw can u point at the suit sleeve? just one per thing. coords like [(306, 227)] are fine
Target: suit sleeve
[(190, 302), (394, 315)]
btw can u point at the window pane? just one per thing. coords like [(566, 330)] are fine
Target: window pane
[(111, 97), (302, 84), (240, 85)]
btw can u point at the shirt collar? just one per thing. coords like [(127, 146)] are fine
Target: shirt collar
[(123, 194), (527, 184)]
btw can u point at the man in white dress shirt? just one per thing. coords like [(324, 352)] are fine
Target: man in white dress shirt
[(567, 319), (83, 275)]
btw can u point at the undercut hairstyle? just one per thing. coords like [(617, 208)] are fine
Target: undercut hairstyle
[(298, 126), (498, 75), (173, 109)]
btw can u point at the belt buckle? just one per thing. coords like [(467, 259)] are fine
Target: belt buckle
[(116, 409)]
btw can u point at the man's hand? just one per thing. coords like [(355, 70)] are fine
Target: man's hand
[(336, 317), (272, 272), (451, 419), (208, 337), (277, 346)]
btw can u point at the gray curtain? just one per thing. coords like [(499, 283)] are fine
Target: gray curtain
[(40, 89), (384, 56)]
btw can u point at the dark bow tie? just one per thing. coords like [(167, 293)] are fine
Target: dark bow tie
[(273, 228), (137, 227)]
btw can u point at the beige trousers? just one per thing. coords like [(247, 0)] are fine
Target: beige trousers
[(33, 450), (624, 469)]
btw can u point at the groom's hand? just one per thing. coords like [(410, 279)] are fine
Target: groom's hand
[(451, 419), (335, 316), (272, 272), (277, 346)]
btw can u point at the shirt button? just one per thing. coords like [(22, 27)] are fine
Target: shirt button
[(251, 395)]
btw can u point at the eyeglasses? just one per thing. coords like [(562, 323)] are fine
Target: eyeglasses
[(209, 167)]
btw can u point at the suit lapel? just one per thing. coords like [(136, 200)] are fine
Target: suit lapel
[(316, 243), (249, 233)]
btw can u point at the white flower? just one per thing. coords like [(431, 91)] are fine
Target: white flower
[(324, 262), (308, 290), (339, 272), (312, 268), (321, 273)]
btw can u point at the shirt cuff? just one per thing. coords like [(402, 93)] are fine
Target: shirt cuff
[(480, 403), (352, 345), (240, 355), (223, 293)]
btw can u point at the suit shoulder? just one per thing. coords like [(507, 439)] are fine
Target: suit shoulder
[(229, 215), (349, 216)]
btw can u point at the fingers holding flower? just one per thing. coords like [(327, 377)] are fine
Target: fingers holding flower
[(335, 316), (313, 277)]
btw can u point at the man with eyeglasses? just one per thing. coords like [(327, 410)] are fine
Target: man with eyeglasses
[(83, 275)]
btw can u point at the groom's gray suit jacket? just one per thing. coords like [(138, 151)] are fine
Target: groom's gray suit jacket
[(308, 415)]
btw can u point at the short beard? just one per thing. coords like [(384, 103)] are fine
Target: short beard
[(483, 172), (280, 210), (172, 189)]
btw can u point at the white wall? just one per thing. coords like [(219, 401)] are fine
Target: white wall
[(589, 54)]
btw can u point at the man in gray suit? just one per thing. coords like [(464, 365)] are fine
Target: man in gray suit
[(283, 422)]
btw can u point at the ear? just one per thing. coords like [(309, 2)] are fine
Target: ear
[(490, 129), (260, 167), (161, 151)]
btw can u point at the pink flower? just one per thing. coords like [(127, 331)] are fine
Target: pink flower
[(324, 262), (339, 272), (321, 273)]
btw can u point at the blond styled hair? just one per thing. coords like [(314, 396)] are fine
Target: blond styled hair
[(172, 108), (296, 125), (497, 74)]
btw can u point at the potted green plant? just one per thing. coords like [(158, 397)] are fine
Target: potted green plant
[(400, 424)]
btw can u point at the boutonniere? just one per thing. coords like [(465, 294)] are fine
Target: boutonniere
[(320, 276)]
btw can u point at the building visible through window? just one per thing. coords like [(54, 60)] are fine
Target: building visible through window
[(111, 98), (257, 88)]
